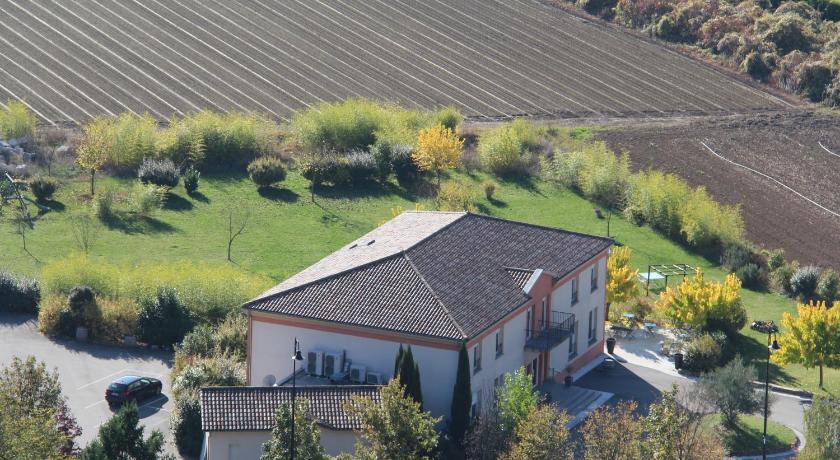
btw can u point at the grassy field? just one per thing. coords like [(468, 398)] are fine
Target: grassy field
[(288, 232), (747, 438)]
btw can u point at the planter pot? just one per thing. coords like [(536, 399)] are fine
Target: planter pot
[(568, 381), (130, 341), (678, 361), (611, 345), (81, 334)]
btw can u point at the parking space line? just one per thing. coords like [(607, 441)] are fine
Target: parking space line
[(103, 378), (94, 404)]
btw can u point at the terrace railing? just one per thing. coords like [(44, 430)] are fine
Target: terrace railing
[(549, 334)]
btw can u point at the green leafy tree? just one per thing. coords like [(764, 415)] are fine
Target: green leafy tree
[(461, 398), (730, 390), (822, 429), (515, 400), (186, 425), (93, 150), (121, 438), (396, 428), (307, 435), (163, 318)]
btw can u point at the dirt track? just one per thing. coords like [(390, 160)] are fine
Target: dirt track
[(74, 59), (784, 146)]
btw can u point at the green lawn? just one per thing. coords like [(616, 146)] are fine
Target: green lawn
[(747, 439), (288, 232)]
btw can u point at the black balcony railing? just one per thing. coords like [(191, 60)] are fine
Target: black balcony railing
[(549, 334)]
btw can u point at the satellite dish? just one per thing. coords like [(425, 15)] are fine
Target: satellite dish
[(269, 380)]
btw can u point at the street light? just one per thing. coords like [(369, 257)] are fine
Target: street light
[(295, 358), (769, 328)]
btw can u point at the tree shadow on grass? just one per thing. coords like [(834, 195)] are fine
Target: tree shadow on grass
[(56, 206), (198, 196), (131, 223), (177, 203), (755, 352), (369, 189), (523, 181), (498, 203), (278, 194)]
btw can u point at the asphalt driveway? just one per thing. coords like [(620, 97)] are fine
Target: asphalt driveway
[(86, 370)]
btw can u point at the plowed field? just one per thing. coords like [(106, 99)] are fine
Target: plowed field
[(71, 60), (782, 169)]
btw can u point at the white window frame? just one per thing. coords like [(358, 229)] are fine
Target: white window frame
[(573, 341), (575, 290), (529, 317), (477, 358), (593, 325), (500, 342)]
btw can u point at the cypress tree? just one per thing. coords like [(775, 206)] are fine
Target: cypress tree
[(410, 376), (461, 398), (398, 362), (417, 390)]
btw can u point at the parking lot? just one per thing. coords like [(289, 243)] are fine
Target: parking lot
[(87, 369)]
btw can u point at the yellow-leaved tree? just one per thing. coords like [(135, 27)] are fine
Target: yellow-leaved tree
[(698, 303), (94, 148), (621, 278), (438, 150), (812, 338)]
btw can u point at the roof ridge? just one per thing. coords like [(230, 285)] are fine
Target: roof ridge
[(542, 227), (434, 294)]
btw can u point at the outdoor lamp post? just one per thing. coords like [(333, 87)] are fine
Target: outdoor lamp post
[(769, 328), (295, 358)]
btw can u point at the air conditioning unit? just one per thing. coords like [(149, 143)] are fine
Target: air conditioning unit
[(358, 373), (315, 362), (332, 363), (375, 378)]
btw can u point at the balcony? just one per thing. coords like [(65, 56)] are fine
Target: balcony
[(550, 333)]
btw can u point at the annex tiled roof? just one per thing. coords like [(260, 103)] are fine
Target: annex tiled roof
[(253, 408), (451, 279)]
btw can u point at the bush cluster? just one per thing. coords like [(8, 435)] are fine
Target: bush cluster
[(356, 124), (508, 149), (191, 179), (593, 171), (456, 196), (163, 319), (162, 173), (205, 140), (266, 171), (208, 292), (19, 295), (355, 168), (702, 354), (792, 46), (106, 320)]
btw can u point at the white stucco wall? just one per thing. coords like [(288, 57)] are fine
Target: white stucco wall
[(247, 445), (272, 346), (561, 299), (512, 359)]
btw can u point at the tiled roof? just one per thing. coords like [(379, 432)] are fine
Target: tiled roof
[(452, 279), (253, 408), (519, 275)]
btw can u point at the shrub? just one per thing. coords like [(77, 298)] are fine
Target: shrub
[(147, 199), (266, 171), (756, 66), (119, 319), (814, 80), (232, 336), (730, 390), (448, 117), (200, 342), (191, 178), (327, 168), (456, 196), (16, 121), (185, 424), (597, 7), (781, 277), (829, 286), (20, 295), (702, 354), (594, 171), (84, 310), (656, 198), (404, 167), (52, 317), (162, 173), (752, 276), (489, 188), (501, 152), (775, 258), (735, 256), (804, 281), (43, 187), (438, 150), (701, 304), (361, 167), (351, 124), (381, 152), (704, 223), (163, 320), (789, 32), (222, 140), (190, 379), (103, 204)]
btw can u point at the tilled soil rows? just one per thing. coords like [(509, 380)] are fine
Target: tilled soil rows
[(71, 60), (789, 197)]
